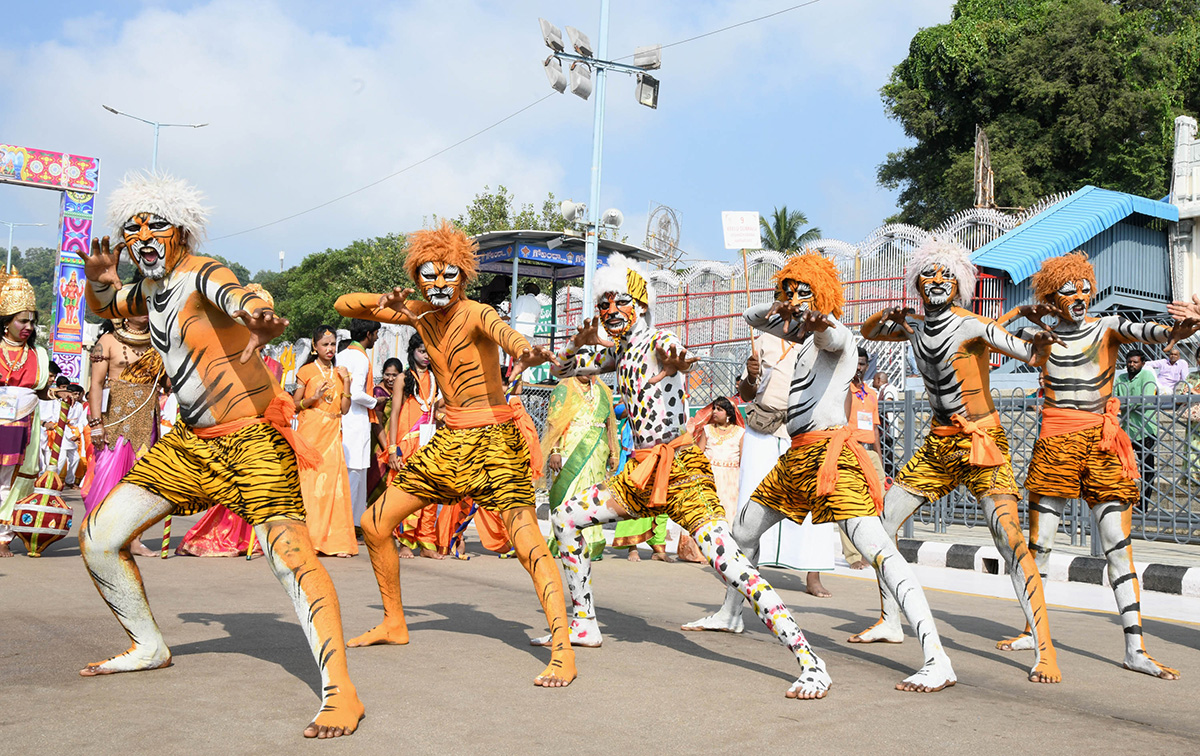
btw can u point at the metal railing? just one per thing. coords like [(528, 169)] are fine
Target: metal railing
[(1170, 465)]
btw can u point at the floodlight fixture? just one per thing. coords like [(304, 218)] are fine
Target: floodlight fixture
[(613, 218), (572, 211), (581, 79), (554, 73), (580, 42), (551, 35), (648, 58), (647, 90)]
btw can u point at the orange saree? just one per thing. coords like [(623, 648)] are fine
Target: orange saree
[(326, 489)]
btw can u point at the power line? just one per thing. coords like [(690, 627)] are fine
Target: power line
[(486, 129)]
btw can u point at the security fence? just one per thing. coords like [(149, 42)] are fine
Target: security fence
[(1169, 461)]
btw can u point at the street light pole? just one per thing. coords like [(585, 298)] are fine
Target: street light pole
[(592, 247), (8, 258), (157, 125)]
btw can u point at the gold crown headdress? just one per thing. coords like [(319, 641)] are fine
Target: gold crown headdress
[(17, 295)]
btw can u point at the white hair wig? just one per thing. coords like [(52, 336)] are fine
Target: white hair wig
[(950, 255), (174, 200), (615, 277)]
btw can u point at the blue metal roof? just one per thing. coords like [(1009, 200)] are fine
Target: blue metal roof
[(1063, 227)]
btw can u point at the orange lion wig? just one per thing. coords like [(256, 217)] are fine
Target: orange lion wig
[(1059, 270), (821, 275), (444, 244)]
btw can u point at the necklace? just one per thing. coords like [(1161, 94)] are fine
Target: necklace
[(328, 394), (8, 362), (132, 338), (424, 402)]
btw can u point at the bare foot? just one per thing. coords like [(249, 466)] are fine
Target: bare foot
[(343, 555), (1023, 642), (340, 715), (5, 552), (406, 553), (931, 678), (559, 673), (662, 556), (719, 622), (814, 587), (813, 684), (584, 633), (1143, 662), (134, 660), (880, 632), (140, 549), (381, 634), (431, 554), (634, 556), (1045, 672), (861, 564)]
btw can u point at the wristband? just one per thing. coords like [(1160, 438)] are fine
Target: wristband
[(392, 449)]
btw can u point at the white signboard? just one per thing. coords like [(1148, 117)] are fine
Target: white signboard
[(741, 229)]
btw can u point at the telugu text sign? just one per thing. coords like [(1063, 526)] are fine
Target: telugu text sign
[(741, 229)]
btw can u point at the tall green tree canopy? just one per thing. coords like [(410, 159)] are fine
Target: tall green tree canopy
[(1070, 92), (785, 231)]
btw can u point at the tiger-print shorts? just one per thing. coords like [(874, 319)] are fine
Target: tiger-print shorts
[(489, 463), (251, 471), (692, 497), (791, 487), (944, 462), (1072, 466)]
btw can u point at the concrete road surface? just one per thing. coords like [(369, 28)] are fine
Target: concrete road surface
[(243, 680)]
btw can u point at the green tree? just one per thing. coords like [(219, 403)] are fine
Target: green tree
[(497, 211), (785, 231), (1070, 92)]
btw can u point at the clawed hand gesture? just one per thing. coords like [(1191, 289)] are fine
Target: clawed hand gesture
[(1182, 310), (1035, 313), (589, 334), (264, 325), (1181, 330), (900, 316), (672, 361), (101, 265), (538, 355), (1043, 339), (398, 300)]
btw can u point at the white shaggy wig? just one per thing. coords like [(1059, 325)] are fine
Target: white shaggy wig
[(950, 255), (171, 199), (616, 275)]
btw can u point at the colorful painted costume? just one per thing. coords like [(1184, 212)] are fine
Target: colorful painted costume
[(1081, 451), (966, 445), (826, 472), (233, 445), (667, 473), (481, 452)]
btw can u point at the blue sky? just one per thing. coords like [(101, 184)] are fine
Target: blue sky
[(309, 100)]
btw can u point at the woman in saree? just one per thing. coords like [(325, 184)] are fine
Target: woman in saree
[(322, 397), (581, 446)]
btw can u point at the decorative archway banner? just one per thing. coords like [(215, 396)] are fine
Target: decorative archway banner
[(77, 177)]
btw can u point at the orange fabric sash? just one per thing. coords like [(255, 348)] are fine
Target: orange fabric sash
[(1059, 421), (279, 414), (656, 461), (984, 452), (827, 474), (460, 418)]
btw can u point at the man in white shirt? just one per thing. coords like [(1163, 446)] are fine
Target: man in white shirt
[(1169, 372), (356, 424)]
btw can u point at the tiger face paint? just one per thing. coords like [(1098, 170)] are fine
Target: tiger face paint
[(440, 283), (1073, 299), (795, 293), (617, 311), (155, 244), (937, 286)]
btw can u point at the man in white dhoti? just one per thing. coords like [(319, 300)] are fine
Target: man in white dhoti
[(356, 424)]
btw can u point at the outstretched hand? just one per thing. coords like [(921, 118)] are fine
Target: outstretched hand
[(1042, 340), (1182, 310), (1181, 330), (589, 334), (100, 266), (263, 325), (1035, 313), (397, 300), (900, 316), (538, 355), (672, 361)]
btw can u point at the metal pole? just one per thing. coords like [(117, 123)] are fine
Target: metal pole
[(593, 241), (154, 160), (512, 299)]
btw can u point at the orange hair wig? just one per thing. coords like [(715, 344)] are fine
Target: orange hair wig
[(444, 244), (821, 275), (1059, 270)]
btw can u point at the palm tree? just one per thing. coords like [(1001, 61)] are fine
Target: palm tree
[(782, 233)]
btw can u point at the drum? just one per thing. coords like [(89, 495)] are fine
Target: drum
[(42, 518)]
